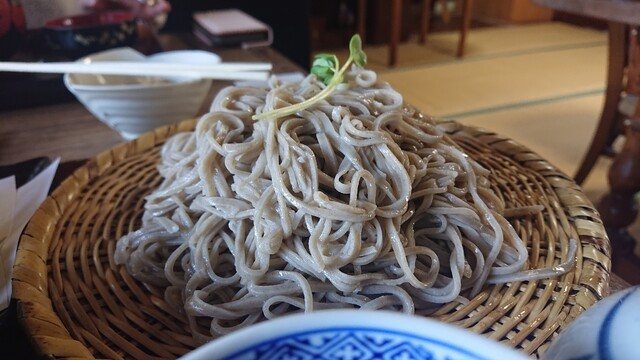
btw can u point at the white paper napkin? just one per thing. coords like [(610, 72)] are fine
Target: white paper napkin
[(16, 208), (8, 195)]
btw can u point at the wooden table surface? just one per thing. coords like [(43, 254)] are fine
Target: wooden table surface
[(622, 11)]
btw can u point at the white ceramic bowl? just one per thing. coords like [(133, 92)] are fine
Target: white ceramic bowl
[(610, 329), (135, 105), (353, 334)]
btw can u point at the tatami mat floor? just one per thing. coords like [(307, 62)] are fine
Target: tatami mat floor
[(541, 85)]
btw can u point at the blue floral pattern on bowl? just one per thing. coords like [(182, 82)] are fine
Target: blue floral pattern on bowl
[(353, 335), (354, 344)]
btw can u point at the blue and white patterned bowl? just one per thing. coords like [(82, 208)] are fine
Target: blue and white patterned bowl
[(610, 329), (351, 335)]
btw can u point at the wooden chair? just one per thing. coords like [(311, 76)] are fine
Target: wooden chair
[(467, 7), (425, 17)]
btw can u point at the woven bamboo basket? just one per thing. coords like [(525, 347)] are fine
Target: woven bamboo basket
[(74, 302)]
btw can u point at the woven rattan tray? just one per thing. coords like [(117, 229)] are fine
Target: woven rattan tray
[(76, 303)]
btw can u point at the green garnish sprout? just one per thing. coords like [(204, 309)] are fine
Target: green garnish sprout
[(326, 68)]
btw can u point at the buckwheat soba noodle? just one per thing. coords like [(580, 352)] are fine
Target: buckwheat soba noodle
[(357, 202)]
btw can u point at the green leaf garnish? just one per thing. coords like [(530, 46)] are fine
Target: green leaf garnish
[(326, 68), (356, 52)]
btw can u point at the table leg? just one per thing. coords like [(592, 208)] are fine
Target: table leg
[(467, 8), (608, 125), (619, 208), (425, 20), (396, 25)]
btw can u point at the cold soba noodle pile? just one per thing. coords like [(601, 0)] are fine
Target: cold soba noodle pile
[(357, 201)]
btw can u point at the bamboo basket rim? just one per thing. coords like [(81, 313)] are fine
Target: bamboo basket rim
[(545, 307)]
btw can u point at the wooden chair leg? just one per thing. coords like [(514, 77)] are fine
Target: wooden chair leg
[(467, 7), (609, 120), (446, 14), (396, 24), (425, 20)]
